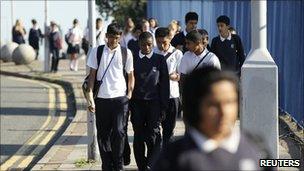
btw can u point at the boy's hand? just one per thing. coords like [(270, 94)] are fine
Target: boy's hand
[(92, 108), (174, 76), (91, 103)]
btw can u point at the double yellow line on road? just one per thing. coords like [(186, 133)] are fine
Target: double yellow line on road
[(24, 161)]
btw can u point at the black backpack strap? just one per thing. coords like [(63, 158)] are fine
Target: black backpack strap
[(98, 35), (99, 54), (200, 61), (169, 54), (124, 55)]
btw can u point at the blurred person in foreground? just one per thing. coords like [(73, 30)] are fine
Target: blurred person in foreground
[(214, 140)]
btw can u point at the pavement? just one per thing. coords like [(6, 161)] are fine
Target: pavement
[(69, 152)]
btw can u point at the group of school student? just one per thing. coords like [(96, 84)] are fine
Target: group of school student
[(143, 79)]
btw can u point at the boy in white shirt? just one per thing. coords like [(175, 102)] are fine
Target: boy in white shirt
[(198, 55), (111, 103), (173, 58)]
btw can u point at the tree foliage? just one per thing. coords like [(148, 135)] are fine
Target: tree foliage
[(122, 9)]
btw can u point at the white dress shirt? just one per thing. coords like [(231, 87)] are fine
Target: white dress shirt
[(173, 62), (76, 34), (230, 144), (114, 84), (228, 38), (101, 39), (207, 145), (190, 60)]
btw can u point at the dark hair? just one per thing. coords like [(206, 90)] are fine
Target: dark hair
[(197, 86), (52, 23), (34, 21), (156, 22), (145, 36), (223, 19), (162, 32), (191, 16), (194, 36), (137, 27), (114, 29), (98, 19), (75, 21), (203, 32)]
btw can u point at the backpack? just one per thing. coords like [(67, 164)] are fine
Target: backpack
[(59, 42), (85, 87), (67, 37)]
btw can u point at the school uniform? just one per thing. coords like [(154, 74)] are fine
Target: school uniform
[(54, 49), (133, 45), (17, 36), (197, 152), (230, 52), (149, 101), (180, 39), (100, 36), (75, 36), (34, 37), (173, 58), (190, 60), (126, 37), (111, 105)]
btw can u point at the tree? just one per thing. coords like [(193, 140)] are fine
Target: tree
[(122, 9)]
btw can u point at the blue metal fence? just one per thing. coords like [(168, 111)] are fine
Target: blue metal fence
[(285, 37)]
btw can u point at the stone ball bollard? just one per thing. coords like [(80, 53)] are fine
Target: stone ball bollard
[(23, 54), (7, 51)]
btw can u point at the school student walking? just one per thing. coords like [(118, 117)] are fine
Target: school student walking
[(74, 37), (149, 101), (228, 47), (108, 63), (55, 45), (198, 54), (34, 36), (133, 44), (18, 32), (173, 58), (178, 41)]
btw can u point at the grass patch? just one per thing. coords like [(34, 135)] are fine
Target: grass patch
[(83, 162)]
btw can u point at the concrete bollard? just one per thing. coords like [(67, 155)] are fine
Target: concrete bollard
[(23, 54), (259, 83), (7, 51)]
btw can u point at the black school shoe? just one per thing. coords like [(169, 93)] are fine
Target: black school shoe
[(127, 160)]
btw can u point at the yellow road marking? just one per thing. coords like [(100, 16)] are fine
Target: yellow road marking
[(61, 119), (26, 161), (52, 105), (8, 163)]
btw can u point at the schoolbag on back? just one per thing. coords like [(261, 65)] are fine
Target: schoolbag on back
[(85, 87), (85, 84)]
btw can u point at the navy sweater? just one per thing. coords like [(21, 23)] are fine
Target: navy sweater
[(179, 39), (151, 79), (230, 52), (134, 47)]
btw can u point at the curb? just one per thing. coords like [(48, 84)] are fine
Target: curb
[(71, 110)]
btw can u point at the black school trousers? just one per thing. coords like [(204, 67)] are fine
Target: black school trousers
[(145, 118), (168, 124), (110, 123)]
